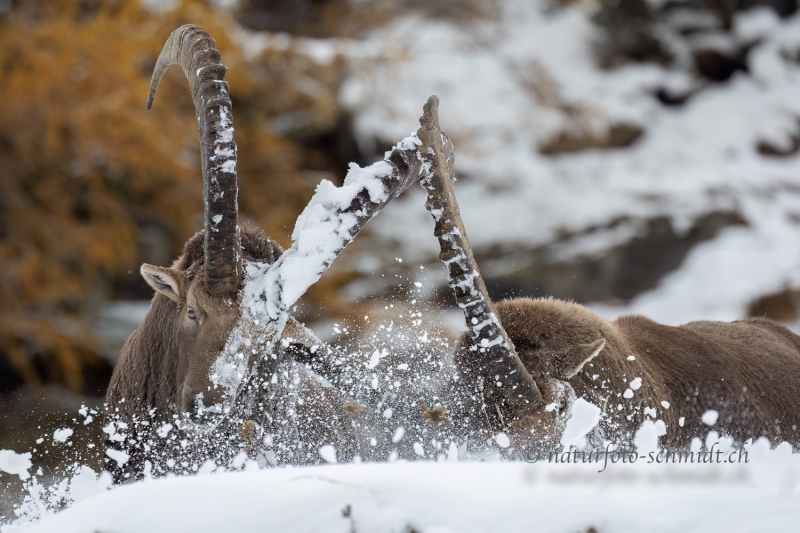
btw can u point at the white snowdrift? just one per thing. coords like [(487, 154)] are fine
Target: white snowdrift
[(455, 497)]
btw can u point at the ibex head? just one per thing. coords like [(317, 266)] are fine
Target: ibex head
[(203, 283), (223, 302), (555, 340), (197, 321)]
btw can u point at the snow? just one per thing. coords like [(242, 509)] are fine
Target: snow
[(502, 440), (466, 497), (322, 51), (709, 418), (398, 434), (584, 416), (61, 435), (328, 453), (224, 158), (758, 23), (374, 360), (501, 80), (646, 438), (86, 483), (322, 230), (159, 6), (15, 463), (628, 394), (120, 457)]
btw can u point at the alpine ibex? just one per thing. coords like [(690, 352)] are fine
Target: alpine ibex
[(219, 366), (527, 360), (217, 349)]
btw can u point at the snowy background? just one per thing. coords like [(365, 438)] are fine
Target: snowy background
[(711, 218)]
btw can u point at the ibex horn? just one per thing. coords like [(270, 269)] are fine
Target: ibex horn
[(195, 51), (494, 352)]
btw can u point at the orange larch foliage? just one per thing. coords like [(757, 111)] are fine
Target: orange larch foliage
[(84, 167)]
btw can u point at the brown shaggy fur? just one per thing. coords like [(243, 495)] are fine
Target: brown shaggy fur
[(164, 368), (146, 375), (748, 371)]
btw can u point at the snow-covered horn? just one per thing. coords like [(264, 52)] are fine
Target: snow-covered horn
[(494, 353), (195, 51)]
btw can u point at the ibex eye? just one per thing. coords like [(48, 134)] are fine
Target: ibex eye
[(562, 403), (191, 314)]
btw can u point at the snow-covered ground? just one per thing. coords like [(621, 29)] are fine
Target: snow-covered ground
[(462, 497), (472, 486)]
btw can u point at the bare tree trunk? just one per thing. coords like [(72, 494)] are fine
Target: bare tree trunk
[(491, 358)]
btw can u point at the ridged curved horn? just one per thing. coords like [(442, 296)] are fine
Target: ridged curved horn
[(494, 353), (195, 51)]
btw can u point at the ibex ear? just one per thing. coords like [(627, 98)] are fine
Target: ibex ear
[(162, 280), (579, 355)]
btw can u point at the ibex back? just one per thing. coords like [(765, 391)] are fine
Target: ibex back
[(635, 369)]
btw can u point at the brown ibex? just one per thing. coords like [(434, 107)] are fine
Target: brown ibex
[(527, 360), (217, 349)]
